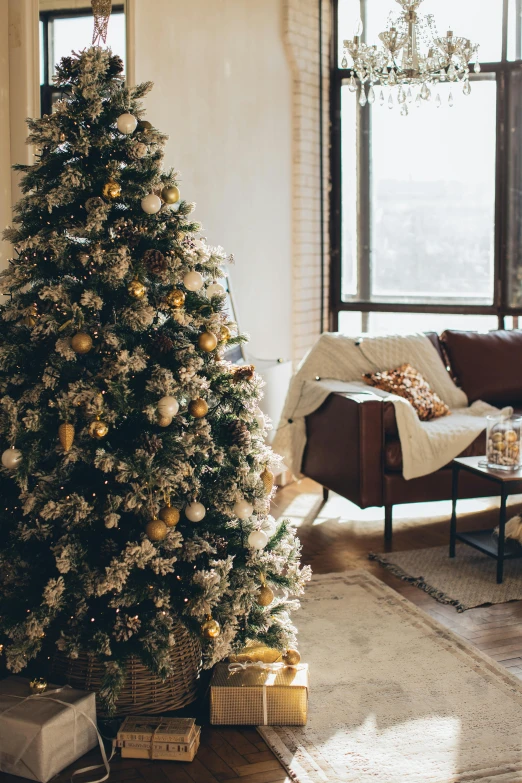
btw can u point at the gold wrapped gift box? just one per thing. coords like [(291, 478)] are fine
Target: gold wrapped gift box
[(259, 696)]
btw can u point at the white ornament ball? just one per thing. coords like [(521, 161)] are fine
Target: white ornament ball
[(193, 281), (257, 539), (195, 512), (168, 407), (269, 526), (260, 419), (243, 509), (215, 289), (151, 204), (11, 458), (127, 123)]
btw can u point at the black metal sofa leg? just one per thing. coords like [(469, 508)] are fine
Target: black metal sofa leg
[(388, 522), (326, 492)]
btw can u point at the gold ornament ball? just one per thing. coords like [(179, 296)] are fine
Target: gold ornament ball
[(111, 190), (156, 530), (169, 515), (267, 477), (198, 408), (170, 195), (226, 334), (291, 657), (66, 435), (264, 596), (136, 289), (175, 298), (207, 341), (164, 421), (81, 342), (98, 429), (38, 685), (210, 629)]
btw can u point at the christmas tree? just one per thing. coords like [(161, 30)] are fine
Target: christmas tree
[(135, 478)]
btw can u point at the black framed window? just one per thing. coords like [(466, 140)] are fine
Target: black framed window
[(64, 31), (426, 212)]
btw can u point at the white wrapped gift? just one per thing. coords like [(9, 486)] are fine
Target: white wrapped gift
[(41, 735)]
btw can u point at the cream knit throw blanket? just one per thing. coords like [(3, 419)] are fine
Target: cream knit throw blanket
[(339, 362)]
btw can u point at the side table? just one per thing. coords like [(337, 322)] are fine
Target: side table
[(509, 482)]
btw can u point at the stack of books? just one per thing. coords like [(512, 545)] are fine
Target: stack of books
[(168, 739)]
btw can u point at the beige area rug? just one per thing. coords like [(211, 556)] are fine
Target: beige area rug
[(394, 696), (467, 580)]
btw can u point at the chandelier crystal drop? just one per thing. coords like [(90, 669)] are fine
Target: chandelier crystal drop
[(413, 57)]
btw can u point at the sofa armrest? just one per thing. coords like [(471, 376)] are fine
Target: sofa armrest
[(345, 447)]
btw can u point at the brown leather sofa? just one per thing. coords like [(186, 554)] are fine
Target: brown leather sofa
[(353, 446)]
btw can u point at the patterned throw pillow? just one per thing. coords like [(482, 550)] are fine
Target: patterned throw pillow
[(406, 382)]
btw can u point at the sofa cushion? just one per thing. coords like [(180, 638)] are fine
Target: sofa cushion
[(407, 382), (487, 366)]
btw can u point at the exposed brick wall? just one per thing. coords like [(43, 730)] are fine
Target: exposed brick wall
[(301, 32)]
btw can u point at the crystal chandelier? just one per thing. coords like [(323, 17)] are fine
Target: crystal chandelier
[(413, 58)]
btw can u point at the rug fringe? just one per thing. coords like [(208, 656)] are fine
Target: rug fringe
[(418, 581)]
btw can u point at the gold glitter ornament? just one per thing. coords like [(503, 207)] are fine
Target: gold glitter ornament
[(156, 530), (226, 334), (265, 596), (169, 515), (198, 408), (164, 421), (207, 341), (66, 435), (111, 190), (144, 126), (170, 195), (291, 657), (267, 477), (38, 685), (81, 342), (210, 629), (136, 289), (175, 298), (98, 429)]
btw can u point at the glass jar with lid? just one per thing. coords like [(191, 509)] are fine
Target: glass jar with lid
[(504, 441)]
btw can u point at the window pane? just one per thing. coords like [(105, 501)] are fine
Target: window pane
[(74, 33), (349, 193), (348, 12), (481, 26), (514, 24), (350, 323), (42, 54), (409, 323), (433, 199), (514, 245)]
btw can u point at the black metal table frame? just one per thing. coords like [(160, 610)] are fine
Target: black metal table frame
[(504, 493)]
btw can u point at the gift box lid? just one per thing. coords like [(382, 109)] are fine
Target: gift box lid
[(256, 677), (145, 727), (45, 708)]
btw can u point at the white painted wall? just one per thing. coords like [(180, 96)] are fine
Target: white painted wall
[(223, 92)]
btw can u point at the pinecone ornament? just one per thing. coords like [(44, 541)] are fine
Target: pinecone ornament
[(155, 261), (152, 443), (239, 434), (244, 373), (128, 233), (163, 343)]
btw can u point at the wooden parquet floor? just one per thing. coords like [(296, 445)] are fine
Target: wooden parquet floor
[(335, 536)]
